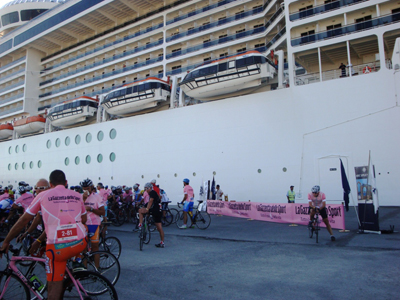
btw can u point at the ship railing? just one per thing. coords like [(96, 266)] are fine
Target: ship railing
[(11, 75), (12, 63), (99, 63), (322, 8), (11, 110), (356, 27), (12, 86), (215, 24), (10, 99)]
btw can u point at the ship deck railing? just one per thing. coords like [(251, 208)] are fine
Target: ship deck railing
[(12, 63)]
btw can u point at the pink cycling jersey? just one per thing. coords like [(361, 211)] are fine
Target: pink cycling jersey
[(188, 190), (4, 196), (104, 195), (24, 200), (95, 201), (146, 197), (61, 213), (317, 201)]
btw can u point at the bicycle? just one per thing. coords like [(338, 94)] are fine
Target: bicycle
[(201, 218), (81, 285), (170, 214), (144, 235), (110, 244), (314, 226)]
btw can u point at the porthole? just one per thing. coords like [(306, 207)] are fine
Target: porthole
[(77, 160), (158, 175), (99, 158), (113, 134), (112, 156), (88, 137), (194, 173), (39, 164), (176, 175), (67, 141), (100, 135), (88, 159), (259, 170), (77, 139), (31, 165), (9, 167), (48, 144), (142, 176), (58, 142), (10, 150), (23, 166), (16, 166), (16, 149), (66, 161), (24, 147), (284, 169), (214, 173)]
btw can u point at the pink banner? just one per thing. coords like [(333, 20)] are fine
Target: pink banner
[(275, 212)]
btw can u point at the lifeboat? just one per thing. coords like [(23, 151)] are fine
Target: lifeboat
[(75, 112), (137, 96), (6, 131), (231, 76), (29, 125)]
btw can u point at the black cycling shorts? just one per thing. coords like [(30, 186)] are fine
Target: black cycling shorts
[(322, 213), (157, 214)]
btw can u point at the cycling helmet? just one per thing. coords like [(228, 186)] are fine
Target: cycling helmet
[(127, 188), (148, 186), (136, 186), (23, 183), (21, 189), (119, 187), (186, 180), (10, 186), (100, 185), (113, 188), (2, 190), (29, 188), (315, 189), (86, 183), (153, 181)]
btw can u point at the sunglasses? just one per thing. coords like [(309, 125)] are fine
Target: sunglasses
[(41, 187)]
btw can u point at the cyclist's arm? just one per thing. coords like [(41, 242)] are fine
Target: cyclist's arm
[(99, 211), (149, 204), (84, 218), (184, 198)]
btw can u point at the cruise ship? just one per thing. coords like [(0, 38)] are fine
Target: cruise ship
[(258, 94)]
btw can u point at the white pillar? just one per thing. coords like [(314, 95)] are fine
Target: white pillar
[(173, 91), (281, 63), (320, 64)]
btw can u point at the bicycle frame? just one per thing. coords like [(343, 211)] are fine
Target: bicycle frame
[(12, 268)]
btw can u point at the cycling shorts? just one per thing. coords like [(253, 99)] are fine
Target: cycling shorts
[(188, 206), (322, 212), (164, 205), (57, 256), (95, 230), (156, 214)]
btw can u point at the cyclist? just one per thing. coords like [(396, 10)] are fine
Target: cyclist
[(317, 202), (4, 193), (188, 198), (153, 206), (24, 200), (5, 206), (64, 216), (95, 208), (155, 188)]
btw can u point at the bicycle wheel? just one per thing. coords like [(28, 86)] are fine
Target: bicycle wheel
[(151, 224), (121, 216), (310, 231), (141, 238), (93, 283), (109, 265), (179, 220), (167, 219), (203, 220), (37, 269), (13, 287), (147, 234), (174, 212), (112, 245), (316, 232), (112, 217)]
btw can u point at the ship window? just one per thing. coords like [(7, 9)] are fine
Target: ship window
[(77, 139), (58, 142), (39, 164), (16, 166), (112, 156), (99, 158), (77, 160), (113, 134), (222, 67), (31, 165), (100, 135), (88, 159), (29, 14), (88, 137), (16, 149), (129, 90), (141, 88), (10, 18), (66, 161), (48, 144), (10, 150), (23, 165), (67, 141), (9, 167), (24, 148)]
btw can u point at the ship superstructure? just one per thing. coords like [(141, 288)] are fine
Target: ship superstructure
[(93, 48)]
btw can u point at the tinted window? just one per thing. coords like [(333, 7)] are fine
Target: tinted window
[(222, 67), (240, 63), (29, 14), (10, 18)]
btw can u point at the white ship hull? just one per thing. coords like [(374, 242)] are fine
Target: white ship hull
[(247, 141)]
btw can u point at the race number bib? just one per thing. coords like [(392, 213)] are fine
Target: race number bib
[(67, 232)]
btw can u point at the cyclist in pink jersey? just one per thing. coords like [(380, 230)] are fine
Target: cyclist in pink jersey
[(4, 194), (95, 208), (188, 199), (64, 216), (22, 203), (317, 202)]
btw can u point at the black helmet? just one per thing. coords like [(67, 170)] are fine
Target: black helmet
[(86, 183)]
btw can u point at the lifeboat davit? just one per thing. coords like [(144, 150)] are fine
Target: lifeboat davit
[(231, 76), (75, 112), (30, 125), (6, 131), (137, 96)]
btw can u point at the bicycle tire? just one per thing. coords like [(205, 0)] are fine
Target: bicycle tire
[(203, 220), (16, 289), (174, 213), (109, 265), (93, 283), (147, 234), (112, 217), (151, 224), (167, 219), (112, 245), (121, 216), (310, 231), (316, 232), (179, 220), (39, 270), (141, 239)]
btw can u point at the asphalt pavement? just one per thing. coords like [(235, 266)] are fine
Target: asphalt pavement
[(245, 259)]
